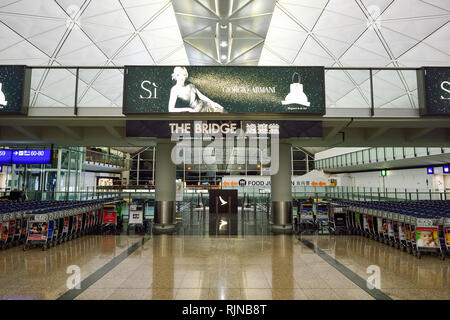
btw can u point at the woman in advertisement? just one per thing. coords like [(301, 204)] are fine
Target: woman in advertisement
[(187, 98)]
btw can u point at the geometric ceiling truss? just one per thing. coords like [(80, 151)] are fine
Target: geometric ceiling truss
[(361, 33), (87, 33), (223, 32)]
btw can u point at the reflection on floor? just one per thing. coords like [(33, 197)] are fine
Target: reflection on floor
[(240, 260)]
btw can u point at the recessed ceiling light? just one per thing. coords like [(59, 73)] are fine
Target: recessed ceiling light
[(224, 57), (223, 26), (223, 44)]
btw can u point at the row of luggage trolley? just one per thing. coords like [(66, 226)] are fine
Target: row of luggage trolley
[(47, 223), (419, 227), (311, 216)]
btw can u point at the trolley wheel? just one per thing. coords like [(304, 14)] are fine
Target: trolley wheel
[(49, 244), (443, 256), (26, 247), (44, 247), (419, 255)]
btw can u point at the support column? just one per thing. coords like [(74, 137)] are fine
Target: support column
[(165, 189), (281, 192)]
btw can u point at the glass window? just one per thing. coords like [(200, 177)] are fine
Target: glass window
[(409, 152), (421, 152), (398, 153), (389, 153), (380, 154), (366, 156), (354, 160), (373, 155), (433, 151), (359, 156)]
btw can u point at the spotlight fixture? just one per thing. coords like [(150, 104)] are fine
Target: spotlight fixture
[(224, 44), (224, 57), (430, 170)]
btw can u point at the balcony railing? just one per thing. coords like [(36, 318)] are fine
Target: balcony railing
[(372, 90), (374, 155)]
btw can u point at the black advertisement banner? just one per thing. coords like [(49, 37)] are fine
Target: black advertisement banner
[(434, 91), (14, 89), (201, 89), (166, 128)]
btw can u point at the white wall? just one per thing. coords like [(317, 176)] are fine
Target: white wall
[(410, 179), (335, 152)]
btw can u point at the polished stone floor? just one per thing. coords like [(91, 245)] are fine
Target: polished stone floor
[(199, 263)]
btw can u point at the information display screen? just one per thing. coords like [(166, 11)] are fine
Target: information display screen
[(31, 156), (434, 90), (14, 89), (205, 89)]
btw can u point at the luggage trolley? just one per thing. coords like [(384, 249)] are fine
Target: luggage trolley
[(109, 219), (395, 228), (427, 238), (39, 230), (447, 233), (136, 218), (8, 228), (322, 220), (337, 219), (409, 243), (403, 245), (306, 217), (365, 221), (390, 230)]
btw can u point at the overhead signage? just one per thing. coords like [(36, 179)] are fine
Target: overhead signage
[(15, 84), (167, 129), (434, 90), (204, 89), (31, 156), (265, 182), (5, 156)]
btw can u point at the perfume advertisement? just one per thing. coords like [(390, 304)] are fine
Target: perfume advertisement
[(201, 89), (14, 89)]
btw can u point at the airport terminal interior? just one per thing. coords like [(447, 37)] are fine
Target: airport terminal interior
[(225, 150)]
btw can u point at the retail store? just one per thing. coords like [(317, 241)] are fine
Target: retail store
[(225, 150)]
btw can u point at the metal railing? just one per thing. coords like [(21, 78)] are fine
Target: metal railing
[(106, 159), (379, 154), (369, 88)]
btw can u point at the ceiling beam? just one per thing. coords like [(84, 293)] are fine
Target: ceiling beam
[(29, 133), (419, 133), (373, 134), (72, 132), (113, 131)]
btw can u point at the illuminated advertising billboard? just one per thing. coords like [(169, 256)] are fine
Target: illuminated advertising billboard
[(202, 89)]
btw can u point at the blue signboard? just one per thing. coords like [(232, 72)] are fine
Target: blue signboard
[(5, 156), (31, 156)]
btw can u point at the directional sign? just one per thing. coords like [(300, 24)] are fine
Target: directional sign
[(31, 156), (5, 156)]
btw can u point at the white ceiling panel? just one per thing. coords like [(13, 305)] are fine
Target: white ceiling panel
[(339, 33)]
